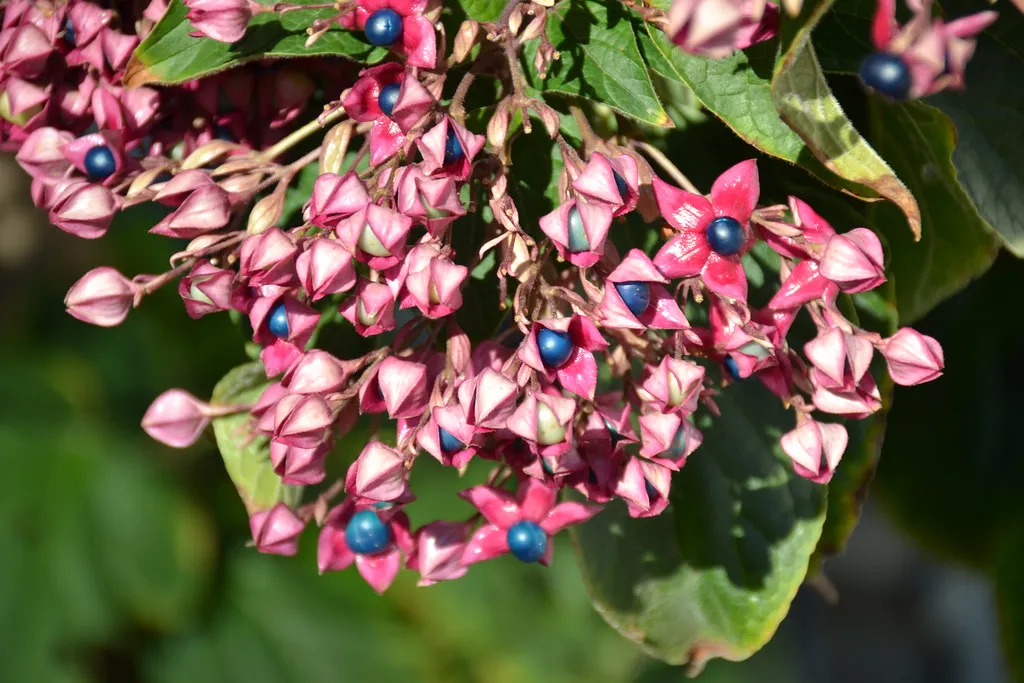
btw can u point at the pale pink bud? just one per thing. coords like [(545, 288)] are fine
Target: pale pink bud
[(268, 258), (815, 448), (840, 357), (675, 384), (488, 399), (465, 39), (318, 372), (854, 261), (325, 268), (40, 153), (335, 197), (84, 210), (276, 531), (379, 473), (912, 357), (438, 552), (176, 418), (175, 190), (206, 209), (302, 420), (371, 310), (405, 387), (298, 466), (437, 289), (222, 20), (26, 51), (101, 297)]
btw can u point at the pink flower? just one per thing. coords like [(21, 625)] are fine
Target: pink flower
[(387, 136), (429, 200), (276, 531), (206, 289), (815, 448), (418, 42), (325, 268), (579, 373), (579, 230), (912, 357), (222, 20), (614, 181), (644, 486), (434, 147), (335, 197), (375, 235), (298, 466), (380, 568), (675, 385), (437, 553), (380, 473), (371, 310), (661, 313), (854, 261), (533, 504), (688, 254), (101, 297), (935, 52), (715, 28), (176, 418)]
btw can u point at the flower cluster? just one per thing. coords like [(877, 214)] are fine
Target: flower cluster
[(595, 380)]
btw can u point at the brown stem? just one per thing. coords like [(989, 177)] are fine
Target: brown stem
[(590, 138)]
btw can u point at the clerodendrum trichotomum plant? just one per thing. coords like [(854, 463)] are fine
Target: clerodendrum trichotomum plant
[(461, 232)]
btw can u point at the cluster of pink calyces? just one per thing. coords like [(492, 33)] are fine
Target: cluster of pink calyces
[(594, 384)]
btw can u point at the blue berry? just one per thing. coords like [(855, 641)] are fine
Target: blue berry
[(527, 541), (452, 149), (449, 442), (886, 74), (69, 32), (652, 493), (388, 97), (620, 185), (278, 322), (732, 368), (725, 235), (555, 347), (578, 240), (636, 295), (613, 433), (366, 534), (100, 162), (384, 27)]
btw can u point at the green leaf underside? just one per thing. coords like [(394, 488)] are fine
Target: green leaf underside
[(247, 454), (599, 60), (713, 576), (806, 103), (483, 10), (170, 55), (956, 247)]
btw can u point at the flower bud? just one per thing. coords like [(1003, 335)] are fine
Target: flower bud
[(298, 466), (84, 210), (276, 531), (206, 289), (40, 153), (854, 261), (101, 297), (912, 357), (265, 213), (213, 150), (268, 259), (465, 39), (438, 552), (302, 421), (497, 127), (379, 473), (371, 310), (206, 209), (335, 197), (325, 268), (405, 386), (815, 448), (334, 148), (318, 372), (176, 418)]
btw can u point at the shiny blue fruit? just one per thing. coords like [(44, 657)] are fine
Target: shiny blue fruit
[(449, 442), (384, 27), (887, 75), (100, 163), (388, 97), (366, 534), (555, 347), (725, 235), (527, 541), (452, 149), (636, 295), (69, 32), (620, 185), (732, 368), (278, 322)]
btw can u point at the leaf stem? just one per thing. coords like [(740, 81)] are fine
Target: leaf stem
[(300, 134)]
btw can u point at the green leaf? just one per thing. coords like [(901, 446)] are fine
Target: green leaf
[(713, 576), (599, 60), (806, 103), (989, 120), (483, 10), (956, 247), (246, 454), (170, 55)]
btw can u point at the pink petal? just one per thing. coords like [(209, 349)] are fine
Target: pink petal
[(684, 211), (498, 507), (380, 570), (735, 192), (725, 278), (536, 499), (564, 514), (684, 255), (488, 542), (579, 375)]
